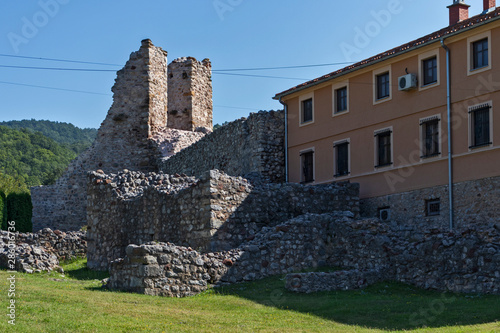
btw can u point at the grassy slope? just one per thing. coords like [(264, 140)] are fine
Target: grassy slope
[(76, 303)]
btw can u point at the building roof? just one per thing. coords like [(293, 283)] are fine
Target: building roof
[(449, 31)]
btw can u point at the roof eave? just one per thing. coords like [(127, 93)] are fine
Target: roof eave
[(374, 62)]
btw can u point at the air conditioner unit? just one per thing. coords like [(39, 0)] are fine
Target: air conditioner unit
[(384, 214), (407, 82)]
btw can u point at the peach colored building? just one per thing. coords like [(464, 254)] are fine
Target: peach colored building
[(386, 123)]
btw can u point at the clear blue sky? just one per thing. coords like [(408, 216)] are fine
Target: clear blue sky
[(232, 33)]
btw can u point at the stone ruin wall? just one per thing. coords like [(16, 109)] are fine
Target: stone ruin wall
[(190, 95), (368, 251), (131, 137), (249, 147), (475, 204), (212, 213)]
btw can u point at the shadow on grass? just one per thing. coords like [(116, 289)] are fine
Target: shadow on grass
[(77, 269), (387, 305)]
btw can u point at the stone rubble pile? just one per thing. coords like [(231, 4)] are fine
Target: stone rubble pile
[(40, 251)]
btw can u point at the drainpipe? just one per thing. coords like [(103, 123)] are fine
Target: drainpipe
[(285, 106), (450, 156)]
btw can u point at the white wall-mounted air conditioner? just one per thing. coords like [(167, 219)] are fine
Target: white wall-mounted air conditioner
[(407, 82)]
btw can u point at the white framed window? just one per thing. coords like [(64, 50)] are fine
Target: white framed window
[(428, 69), (382, 85), (430, 136), (479, 53), (342, 158), (306, 109), (383, 147), (481, 125), (340, 98), (307, 165)]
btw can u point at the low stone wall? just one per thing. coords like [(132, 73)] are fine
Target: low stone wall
[(213, 213), (248, 147), (168, 270), (41, 251), (431, 259), (475, 204), (328, 281)]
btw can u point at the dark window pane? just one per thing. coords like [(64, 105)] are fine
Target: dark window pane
[(431, 138), (307, 110), (308, 167), (383, 86), (341, 96), (342, 159), (430, 71), (384, 148), (480, 53), (481, 126)]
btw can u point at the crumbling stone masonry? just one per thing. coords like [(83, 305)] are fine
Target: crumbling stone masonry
[(212, 213), (132, 135), (190, 95), (368, 250), (249, 147)]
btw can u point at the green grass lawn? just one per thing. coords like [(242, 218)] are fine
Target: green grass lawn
[(76, 302)]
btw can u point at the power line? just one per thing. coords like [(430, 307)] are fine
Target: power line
[(234, 107), (53, 88), (60, 69), (264, 76), (283, 67), (58, 60)]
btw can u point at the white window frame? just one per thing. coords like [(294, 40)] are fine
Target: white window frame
[(375, 144), (421, 58), (336, 87), (422, 136), (470, 56), (376, 73), (335, 143), (301, 112), (471, 124)]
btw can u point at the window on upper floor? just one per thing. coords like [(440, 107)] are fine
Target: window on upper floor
[(306, 111), (341, 153), (430, 137), (429, 67), (480, 125), (341, 100), (307, 164), (383, 85), (480, 54), (383, 145)]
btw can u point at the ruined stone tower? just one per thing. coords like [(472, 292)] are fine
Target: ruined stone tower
[(134, 132), (190, 99)]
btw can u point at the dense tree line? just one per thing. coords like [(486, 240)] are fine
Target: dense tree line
[(68, 135), (15, 204), (31, 157)]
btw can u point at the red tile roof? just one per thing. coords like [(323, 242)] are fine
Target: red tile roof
[(431, 38)]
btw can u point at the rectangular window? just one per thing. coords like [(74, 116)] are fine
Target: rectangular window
[(480, 53), (384, 155), (430, 138), (480, 126), (342, 159), (307, 110), (383, 85), (430, 71), (341, 99), (432, 207), (307, 160)]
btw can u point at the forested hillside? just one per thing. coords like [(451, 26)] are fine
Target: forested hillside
[(68, 135), (32, 158)]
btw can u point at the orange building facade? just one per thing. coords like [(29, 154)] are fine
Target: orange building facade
[(386, 123)]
